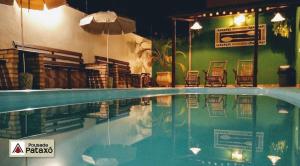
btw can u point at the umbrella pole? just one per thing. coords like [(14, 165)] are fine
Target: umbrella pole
[(107, 60), (22, 37), (108, 131)]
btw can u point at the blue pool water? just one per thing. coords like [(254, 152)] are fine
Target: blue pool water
[(185, 129)]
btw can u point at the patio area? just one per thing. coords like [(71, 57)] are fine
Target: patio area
[(255, 44)]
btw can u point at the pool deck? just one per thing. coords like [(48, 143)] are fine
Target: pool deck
[(13, 100)]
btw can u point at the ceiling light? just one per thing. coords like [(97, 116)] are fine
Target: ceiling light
[(278, 18), (196, 26)]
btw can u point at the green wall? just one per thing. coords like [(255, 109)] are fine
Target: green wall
[(278, 51)]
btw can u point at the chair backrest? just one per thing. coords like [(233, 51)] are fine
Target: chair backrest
[(217, 68), (192, 75), (245, 68)]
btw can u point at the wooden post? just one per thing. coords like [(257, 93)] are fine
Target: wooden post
[(190, 47), (173, 53), (255, 57)]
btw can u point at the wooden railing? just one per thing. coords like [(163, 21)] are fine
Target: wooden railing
[(55, 68), (28, 47), (119, 71)]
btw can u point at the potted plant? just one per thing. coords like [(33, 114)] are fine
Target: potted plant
[(25, 79), (161, 53)]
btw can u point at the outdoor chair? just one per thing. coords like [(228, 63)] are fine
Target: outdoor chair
[(192, 79), (244, 73), (5, 82), (216, 74), (145, 80)]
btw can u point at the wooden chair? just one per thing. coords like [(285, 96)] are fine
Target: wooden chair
[(4, 76), (216, 74), (192, 79), (145, 80), (244, 73)]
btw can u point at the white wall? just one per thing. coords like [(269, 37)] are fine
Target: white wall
[(59, 28)]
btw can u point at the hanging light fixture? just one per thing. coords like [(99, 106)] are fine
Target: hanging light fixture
[(196, 26), (277, 18)]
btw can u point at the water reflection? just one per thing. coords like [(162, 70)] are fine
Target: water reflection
[(244, 106), (216, 105), (189, 129), (52, 120)]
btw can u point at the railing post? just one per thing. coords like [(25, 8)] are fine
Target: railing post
[(173, 53), (255, 57)]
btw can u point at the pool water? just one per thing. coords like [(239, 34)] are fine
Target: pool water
[(192, 129)]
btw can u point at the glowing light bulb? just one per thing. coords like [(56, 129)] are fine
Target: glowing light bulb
[(239, 20)]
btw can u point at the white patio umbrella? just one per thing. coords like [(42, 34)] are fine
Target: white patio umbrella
[(107, 23)]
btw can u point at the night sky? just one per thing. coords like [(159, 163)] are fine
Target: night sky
[(152, 17)]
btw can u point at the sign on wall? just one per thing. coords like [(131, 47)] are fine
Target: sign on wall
[(239, 36)]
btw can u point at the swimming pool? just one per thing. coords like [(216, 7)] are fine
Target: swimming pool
[(194, 126)]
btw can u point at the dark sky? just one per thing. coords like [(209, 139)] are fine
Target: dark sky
[(151, 16)]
